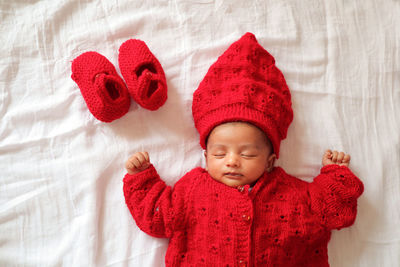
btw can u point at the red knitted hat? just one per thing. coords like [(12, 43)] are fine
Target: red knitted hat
[(244, 85)]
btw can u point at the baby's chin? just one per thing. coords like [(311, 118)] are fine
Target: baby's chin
[(231, 182)]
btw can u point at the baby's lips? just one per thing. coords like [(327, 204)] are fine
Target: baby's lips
[(233, 175)]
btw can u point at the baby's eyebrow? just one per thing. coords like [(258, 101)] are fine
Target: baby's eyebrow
[(217, 146), (246, 146)]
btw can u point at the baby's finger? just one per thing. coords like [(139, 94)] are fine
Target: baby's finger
[(340, 157), (346, 158), (129, 165), (328, 154), (334, 156), (132, 163), (136, 162), (140, 157), (146, 156)]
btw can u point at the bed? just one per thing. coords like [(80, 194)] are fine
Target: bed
[(61, 200)]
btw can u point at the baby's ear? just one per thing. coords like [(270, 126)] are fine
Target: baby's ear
[(205, 156), (270, 162)]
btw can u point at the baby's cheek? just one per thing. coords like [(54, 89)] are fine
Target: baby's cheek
[(213, 170), (257, 165)]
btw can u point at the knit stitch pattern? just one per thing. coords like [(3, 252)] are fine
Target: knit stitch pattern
[(104, 92), (143, 74), (244, 85), (282, 221)]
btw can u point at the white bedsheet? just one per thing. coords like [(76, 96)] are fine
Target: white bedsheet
[(61, 170)]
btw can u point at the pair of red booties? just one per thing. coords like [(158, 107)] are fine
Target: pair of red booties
[(104, 91)]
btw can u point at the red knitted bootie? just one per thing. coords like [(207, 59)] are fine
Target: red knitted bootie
[(143, 74), (104, 91)]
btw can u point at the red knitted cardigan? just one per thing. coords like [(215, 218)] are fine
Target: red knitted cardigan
[(282, 221)]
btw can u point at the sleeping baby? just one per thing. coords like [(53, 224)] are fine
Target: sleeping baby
[(241, 210)]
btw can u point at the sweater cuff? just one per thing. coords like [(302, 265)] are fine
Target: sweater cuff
[(341, 181), (333, 168), (142, 177)]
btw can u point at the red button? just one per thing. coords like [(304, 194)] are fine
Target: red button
[(246, 218), (240, 188), (242, 263)]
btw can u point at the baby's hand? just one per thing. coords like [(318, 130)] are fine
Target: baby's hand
[(335, 157), (138, 162)]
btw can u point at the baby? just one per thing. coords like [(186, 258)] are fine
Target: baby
[(241, 210)]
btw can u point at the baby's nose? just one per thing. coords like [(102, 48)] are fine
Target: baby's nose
[(233, 160)]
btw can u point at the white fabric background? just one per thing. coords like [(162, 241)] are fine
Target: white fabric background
[(61, 170)]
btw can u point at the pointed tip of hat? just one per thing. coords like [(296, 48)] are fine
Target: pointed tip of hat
[(248, 36), (249, 39)]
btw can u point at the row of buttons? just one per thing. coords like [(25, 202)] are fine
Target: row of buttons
[(246, 218)]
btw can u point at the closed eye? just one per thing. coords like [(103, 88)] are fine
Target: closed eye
[(248, 155)]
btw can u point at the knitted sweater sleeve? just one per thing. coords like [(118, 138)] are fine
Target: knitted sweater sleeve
[(334, 196), (157, 208)]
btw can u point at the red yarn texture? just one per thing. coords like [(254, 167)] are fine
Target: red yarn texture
[(143, 74), (244, 85), (104, 92), (282, 221)]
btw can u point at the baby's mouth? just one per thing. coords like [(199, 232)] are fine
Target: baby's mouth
[(233, 175)]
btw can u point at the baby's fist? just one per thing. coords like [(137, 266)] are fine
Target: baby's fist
[(138, 162), (335, 157)]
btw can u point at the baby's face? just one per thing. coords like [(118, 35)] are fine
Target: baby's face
[(238, 153)]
